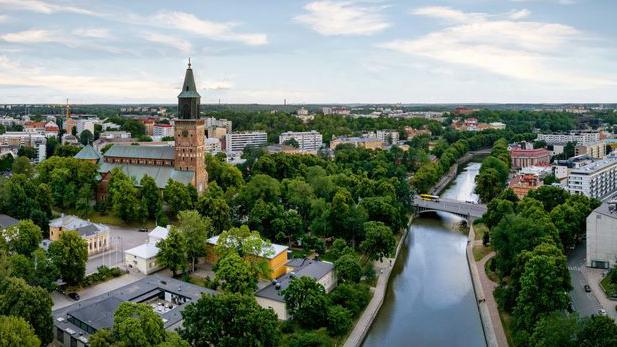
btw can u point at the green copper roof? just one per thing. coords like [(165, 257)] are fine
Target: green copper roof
[(88, 153), (161, 174), (137, 151), (189, 90)]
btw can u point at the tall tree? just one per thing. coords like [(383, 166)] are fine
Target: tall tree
[(173, 251), (598, 331), (348, 268), (379, 241), (150, 197), (69, 254), (229, 320), (23, 237), (123, 196), (15, 331), (235, 274), (196, 230), (86, 137), (306, 302), (22, 166), (177, 197)]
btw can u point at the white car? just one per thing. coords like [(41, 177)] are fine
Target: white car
[(602, 312)]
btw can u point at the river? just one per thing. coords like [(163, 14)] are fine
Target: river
[(430, 299)]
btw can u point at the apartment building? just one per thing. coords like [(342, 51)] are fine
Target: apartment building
[(582, 138), (22, 138), (85, 124), (162, 130), (602, 236), (236, 142), (307, 140), (597, 180), (595, 150)]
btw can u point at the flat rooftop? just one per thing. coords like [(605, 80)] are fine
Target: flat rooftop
[(595, 166), (301, 267)]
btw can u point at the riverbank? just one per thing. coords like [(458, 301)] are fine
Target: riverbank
[(384, 269), (489, 314)]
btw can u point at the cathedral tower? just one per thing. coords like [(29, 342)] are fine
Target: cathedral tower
[(189, 133)]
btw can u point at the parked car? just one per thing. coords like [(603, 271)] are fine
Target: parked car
[(587, 288), (74, 296), (143, 230)]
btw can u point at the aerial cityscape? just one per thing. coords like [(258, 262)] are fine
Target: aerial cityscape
[(308, 173)]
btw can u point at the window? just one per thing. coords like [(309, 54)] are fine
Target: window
[(73, 342)]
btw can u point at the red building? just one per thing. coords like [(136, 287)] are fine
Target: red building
[(529, 157)]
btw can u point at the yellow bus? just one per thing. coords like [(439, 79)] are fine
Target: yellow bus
[(429, 197)]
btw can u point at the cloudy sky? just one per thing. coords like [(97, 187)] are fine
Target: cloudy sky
[(249, 51)]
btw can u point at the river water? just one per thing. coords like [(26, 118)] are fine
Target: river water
[(430, 299)]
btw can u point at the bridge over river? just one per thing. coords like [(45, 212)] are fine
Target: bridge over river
[(467, 210)]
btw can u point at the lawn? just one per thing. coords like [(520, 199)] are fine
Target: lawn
[(480, 229), (109, 219), (479, 252)]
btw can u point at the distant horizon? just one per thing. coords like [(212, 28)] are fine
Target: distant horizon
[(354, 104)]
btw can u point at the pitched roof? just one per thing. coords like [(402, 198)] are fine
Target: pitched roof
[(88, 153), (270, 253), (145, 251), (188, 87), (145, 152), (7, 221), (161, 174), (159, 232), (314, 269), (83, 227)]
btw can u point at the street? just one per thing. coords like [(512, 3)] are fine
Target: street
[(121, 239), (584, 303)]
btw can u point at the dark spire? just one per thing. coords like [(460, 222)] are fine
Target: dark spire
[(189, 98)]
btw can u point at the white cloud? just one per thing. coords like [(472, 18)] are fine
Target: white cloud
[(561, 2), (526, 50), (4, 18), (41, 7), (168, 40), (93, 33), (342, 18), (30, 36), (447, 13), (520, 14), (218, 84), (220, 31)]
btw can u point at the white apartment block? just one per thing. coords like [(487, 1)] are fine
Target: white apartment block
[(22, 138), (595, 150), (115, 135), (596, 180), (388, 137), (236, 142), (212, 145), (579, 138), (602, 237), (212, 123), (162, 130), (85, 124), (308, 140)]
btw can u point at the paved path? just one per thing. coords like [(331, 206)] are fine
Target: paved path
[(383, 269), (489, 287), (593, 277)]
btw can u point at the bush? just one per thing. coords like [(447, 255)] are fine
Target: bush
[(348, 268), (102, 274), (339, 320), (353, 297), (309, 340)]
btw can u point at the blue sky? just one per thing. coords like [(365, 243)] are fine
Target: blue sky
[(249, 51)]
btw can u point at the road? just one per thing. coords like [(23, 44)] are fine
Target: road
[(121, 239), (452, 206), (584, 303)]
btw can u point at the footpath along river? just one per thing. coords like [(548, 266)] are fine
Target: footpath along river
[(430, 299)]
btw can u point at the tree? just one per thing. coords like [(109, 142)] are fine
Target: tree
[(235, 274), (67, 151), (339, 320), (45, 273), (69, 255), (348, 268), (173, 251), (379, 241), (177, 197), (229, 320), (488, 184), (309, 339), (196, 230), (339, 248), (122, 194), (23, 237), (246, 244), (86, 137), (261, 187), (22, 166), (84, 197), (496, 209), (353, 297), (217, 210), (151, 198), (549, 196), (15, 331), (597, 331), (27, 151), (33, 304), (306, 302), (555, 330)]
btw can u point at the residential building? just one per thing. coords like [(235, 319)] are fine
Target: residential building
[(183, 161), (521, 184), (22, 138), (143, 257), (212, 122), (275, 256), (236, 142), (497, 125), (96, 235), (35, 127), (115, 135), (213, 145), (529, 157), (162, 130), (271, 297), (7, 221), (85, 124), (361, 142), (168, 297), (111, 126), (217, 132), (69, 139), (278, 148), (302, 112), (595, 150), (411, 132), (602, 236), (51, 129), (388, 137), (596, 180), (307, 140), (582, 138)]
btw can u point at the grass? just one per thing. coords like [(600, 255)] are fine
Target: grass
[(480, 229), (506, 322), (97, 217), (480, 251), (489, 273)]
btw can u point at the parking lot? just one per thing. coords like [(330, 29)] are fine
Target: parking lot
[(121, 239)]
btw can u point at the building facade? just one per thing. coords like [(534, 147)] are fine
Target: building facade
[(307, 140), (529, 157), (596, 180), (602, 237), (595, 150), (162, 130), (236, 142), (27, 139), (581, 138), (96, 235), (360, 142)]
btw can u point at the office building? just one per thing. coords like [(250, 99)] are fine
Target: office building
[(307, 140), (213, 145), (602, 236), (236, 142), (596, 180)]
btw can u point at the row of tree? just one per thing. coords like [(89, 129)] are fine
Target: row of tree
[(493, 175)]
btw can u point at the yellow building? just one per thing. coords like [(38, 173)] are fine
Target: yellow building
[(360, 142), (97, 235), (276, 257)]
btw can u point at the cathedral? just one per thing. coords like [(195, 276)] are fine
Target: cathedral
[(183, 162)]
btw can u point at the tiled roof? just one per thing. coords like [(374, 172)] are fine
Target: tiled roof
[(88, 153), (146, 152), (161, 174), (7, 221)]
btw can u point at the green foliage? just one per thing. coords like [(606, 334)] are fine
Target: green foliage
[(151, 199), (229, 319), (309, 339), (225, 175), (123, 197), (27, 151), (22, 198), (348, 268), (215, 207), (15, 331), (196, 230), (353, 297), (69, 254), (177, 197), (379, 242), (173, 251), (235, 274), (66, 151), (86, 137), (102, 274), (496, 210), (33, 304), (65, 177), (22, 166), (306, 302), (23, 237), (598, 331), (339, 248), (339, 320), (549, 196), (556, 330), (526, 121)]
